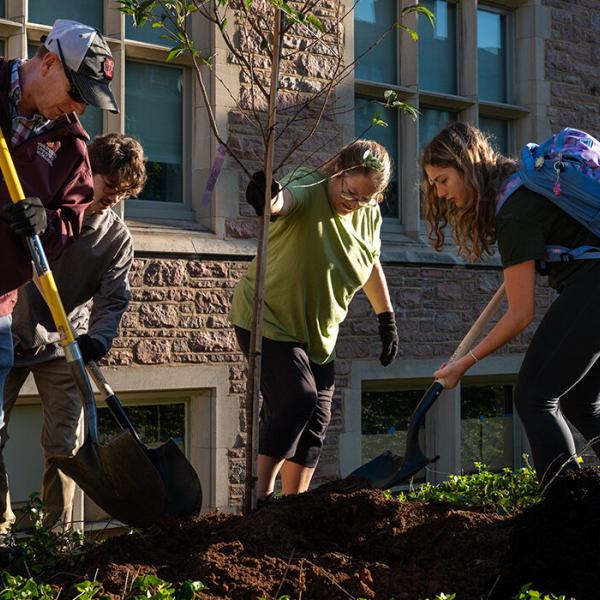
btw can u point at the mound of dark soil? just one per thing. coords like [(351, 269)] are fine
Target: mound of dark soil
[(556, 544), (327, 544), (343, 542)]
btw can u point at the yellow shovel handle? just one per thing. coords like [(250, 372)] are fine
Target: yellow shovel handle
[(38, 255)]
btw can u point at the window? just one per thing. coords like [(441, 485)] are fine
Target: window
[(85, 11), (461, 69), (156, 424), (372, 19), (491, 56), (385, 417), (431, 121), (497, 129), (158, 126), (147, 33), (486, 426), (438, 49)]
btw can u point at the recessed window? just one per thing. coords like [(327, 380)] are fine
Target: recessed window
[(147, 33), (89, 12), (498, 132), (372, 18), (153, 114), (431, 121), (486, 426), (491, 56), (438, 49), (385, 420)]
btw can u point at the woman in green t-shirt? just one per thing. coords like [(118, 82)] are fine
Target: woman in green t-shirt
[(323, 247), (560, 374)]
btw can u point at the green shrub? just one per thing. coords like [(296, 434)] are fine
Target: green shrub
[(505, 492), (525, 593)]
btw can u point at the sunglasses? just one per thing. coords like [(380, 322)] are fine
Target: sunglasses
[(73, 93), (348, 197)]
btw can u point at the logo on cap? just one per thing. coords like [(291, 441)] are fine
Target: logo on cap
[(108, 67)]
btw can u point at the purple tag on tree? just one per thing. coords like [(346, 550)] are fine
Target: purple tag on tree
[(215, 170)]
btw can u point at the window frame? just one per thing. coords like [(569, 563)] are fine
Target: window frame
[(402, 233)]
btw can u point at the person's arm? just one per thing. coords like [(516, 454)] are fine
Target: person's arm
[(519, 281), (108, 305), (377, 292), (281, 199)]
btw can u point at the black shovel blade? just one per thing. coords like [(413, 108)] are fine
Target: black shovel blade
[(183, 492), (119, 478), (387, 469)]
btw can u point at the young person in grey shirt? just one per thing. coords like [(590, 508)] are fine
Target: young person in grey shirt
[(91, 276)]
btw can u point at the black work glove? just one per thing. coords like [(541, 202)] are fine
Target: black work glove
[(388, 334), (91, 348), (255, 192), (27, 217)]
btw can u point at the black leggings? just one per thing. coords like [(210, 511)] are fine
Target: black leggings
[(296, 407), (560, 377)]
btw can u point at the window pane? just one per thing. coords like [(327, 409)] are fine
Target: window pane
[(2, 15), (153, 114), (371, 19), (498, 131), (147, 33), (491, 54), (431, 121), (365, 110), (2, 47), (385, 421), (437, 49), (85, 11), (156, 424), (486, 426)]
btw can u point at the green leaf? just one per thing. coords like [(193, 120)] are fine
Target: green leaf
[(174, 53), (316, 23), (223, 24)]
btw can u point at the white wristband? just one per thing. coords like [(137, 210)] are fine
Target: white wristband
[(473, 355)]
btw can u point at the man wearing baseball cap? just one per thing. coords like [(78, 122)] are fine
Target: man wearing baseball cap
[(39, 102)]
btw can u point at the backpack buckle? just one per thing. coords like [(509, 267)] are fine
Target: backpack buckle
[(566, 258)]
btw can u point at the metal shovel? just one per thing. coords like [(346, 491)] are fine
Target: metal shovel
[(182, 489), (388, 469), (117, 476)]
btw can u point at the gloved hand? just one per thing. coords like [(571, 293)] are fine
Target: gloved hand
[(90, 348), (388, 333), (255, 192), (27, 217)]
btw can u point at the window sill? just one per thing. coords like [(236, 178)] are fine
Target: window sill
[(399, 248), (184, 238)]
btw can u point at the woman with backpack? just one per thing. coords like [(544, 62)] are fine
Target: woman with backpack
[(324, 246), (463, 177)]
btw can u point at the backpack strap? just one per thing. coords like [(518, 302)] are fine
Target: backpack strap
[(509, 185), (555, 253)]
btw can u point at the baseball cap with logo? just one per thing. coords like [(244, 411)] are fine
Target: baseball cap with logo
[(87, 60)]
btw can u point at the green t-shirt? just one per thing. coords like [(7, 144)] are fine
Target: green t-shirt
[(527, 222), (316, 262)]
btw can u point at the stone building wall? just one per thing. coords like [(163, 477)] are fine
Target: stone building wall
[(573, 65)]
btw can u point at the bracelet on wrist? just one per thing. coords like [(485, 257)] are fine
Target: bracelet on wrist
[(473, 356)]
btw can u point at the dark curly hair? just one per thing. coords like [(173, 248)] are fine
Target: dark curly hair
[(121, 159)]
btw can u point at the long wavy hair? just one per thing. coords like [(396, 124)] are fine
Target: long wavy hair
[(468, 150), (378, 166)]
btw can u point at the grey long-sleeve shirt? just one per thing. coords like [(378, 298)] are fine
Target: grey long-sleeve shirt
[(91, 276)]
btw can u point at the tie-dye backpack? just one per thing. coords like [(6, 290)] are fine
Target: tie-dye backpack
[(566, 170)]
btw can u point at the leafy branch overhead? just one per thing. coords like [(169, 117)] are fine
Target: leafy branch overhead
[(312, 59)]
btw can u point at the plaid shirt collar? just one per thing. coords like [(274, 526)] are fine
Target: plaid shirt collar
[(23, 127)]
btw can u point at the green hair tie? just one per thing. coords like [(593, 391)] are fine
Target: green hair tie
[(370, 161)]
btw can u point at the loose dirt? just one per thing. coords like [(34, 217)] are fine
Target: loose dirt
[(341, 541)]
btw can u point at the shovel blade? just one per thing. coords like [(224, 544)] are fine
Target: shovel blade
[(119, 478), (183, 492)]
